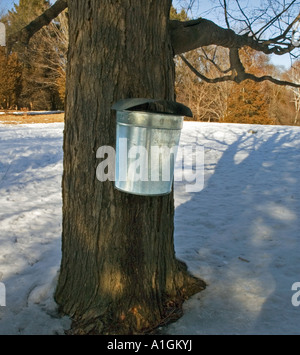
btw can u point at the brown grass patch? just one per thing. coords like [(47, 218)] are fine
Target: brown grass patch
[(29, 119)]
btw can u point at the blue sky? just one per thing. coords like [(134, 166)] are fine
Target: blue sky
[(202, 8), (7, 4)]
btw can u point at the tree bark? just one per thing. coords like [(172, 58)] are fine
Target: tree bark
[(119, 273)]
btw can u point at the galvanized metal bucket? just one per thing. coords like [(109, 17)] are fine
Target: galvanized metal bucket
[(146, 147)]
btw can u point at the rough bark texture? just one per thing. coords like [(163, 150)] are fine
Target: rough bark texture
[(119, 273)]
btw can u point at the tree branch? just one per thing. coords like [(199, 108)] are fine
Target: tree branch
[(189, 35), (283, 35), (274, 19), (238, 73), (226, 14), (203, 77), (259, 79), (23, 36), (212, 61)]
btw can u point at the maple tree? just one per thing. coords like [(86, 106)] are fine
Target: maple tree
[(42, 60)]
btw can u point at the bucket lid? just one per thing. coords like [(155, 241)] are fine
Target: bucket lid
[(154, 106), (149, 120)]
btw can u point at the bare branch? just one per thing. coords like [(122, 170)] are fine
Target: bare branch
[(213, 62), (226, 13), (259, 79), (247, 21), (238, 73), (237, 65), (203, 77), (23, 36), (274, 19), (189, 35), (284, 34)]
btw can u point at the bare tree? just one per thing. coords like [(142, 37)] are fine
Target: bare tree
[(280, 18), (24, 35), (208, 102), (53, 53), (278, 22), (43, 59), (295, 75)]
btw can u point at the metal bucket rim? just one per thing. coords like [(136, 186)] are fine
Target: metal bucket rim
[(145, 119)]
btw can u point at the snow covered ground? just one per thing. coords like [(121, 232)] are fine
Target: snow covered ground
[(31, 113), (241, 233)]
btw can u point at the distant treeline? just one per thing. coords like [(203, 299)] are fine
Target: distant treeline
[(247, 102), (33, 77)]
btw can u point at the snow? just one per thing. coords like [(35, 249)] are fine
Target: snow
[(30, 227), (240, 233), (31, 113)]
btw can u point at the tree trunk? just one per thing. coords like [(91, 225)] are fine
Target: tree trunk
[(119, 274)]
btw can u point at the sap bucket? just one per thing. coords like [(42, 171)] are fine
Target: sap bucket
[(147, 139)]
